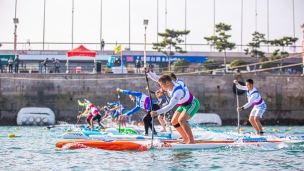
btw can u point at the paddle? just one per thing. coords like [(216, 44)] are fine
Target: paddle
[(150, 109), (78, 113), (119, 117), (237, 105)]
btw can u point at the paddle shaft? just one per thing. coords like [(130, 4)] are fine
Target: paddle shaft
[(150, 109), (237, 105), (119, 117), (79, 117)]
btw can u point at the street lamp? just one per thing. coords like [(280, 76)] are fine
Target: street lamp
[(302, 27), (16, 21), (146, 22)]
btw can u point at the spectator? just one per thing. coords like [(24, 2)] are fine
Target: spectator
[(118, 62), (151, 66), (102, 44), (45, 64), (10, 65), (56, 65), (16, 62), (138, 65)]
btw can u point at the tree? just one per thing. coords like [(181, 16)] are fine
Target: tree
[(211, 64), (257, 39), (235, 63), (181, 65), (285, 41), (171, 40), (220, 42)]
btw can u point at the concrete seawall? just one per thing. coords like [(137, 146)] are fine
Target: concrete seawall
[(283, 94)]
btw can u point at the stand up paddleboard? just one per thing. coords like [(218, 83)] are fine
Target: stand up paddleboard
[(143, 145)]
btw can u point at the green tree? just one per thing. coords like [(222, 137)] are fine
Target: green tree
[(211, 64), (171, 39), (254, 46), (220, 41), (181, 65), (235, 63), (285, 41)]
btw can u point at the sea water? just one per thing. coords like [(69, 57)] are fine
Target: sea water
[(33, 148)]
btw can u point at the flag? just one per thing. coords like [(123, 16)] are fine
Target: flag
[(117, 49)]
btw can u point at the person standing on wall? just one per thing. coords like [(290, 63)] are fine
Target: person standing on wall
[(16, 62), (102, 43), (57, 65), (10, 65), (138, 64), (45, 64)]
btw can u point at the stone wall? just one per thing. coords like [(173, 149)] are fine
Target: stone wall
[(283, 94)]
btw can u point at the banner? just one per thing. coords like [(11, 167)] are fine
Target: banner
[(155, 59)]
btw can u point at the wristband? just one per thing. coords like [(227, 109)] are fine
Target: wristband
[(147, 71), (242, 107)]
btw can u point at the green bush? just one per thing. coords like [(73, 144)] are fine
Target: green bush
[(235, 63), (211, 64), (181, 65)]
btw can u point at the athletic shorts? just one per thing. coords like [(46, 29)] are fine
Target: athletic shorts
[(90, 116), (258, 110), (98, 117), (191, 108)]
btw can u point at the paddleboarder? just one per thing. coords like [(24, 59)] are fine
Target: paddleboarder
[(255, 100), (142, 101), (187, 104)]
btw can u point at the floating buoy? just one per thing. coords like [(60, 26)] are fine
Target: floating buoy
[(236, 128), (44, 128), (17, 128), (11, 135), (103, 130), (242, 129), (264, 128), (140, 124), (290, 128), (210, 128), (68, 130), (275, 130)]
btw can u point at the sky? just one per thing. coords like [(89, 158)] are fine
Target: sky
[(94, 20)]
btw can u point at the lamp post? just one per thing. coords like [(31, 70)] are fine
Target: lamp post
[(146, 22), (16, 21), (302, 27)]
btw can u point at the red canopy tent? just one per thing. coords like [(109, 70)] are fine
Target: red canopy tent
[(80, 51)]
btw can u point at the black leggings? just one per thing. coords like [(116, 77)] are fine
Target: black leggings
[(147, 119)]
